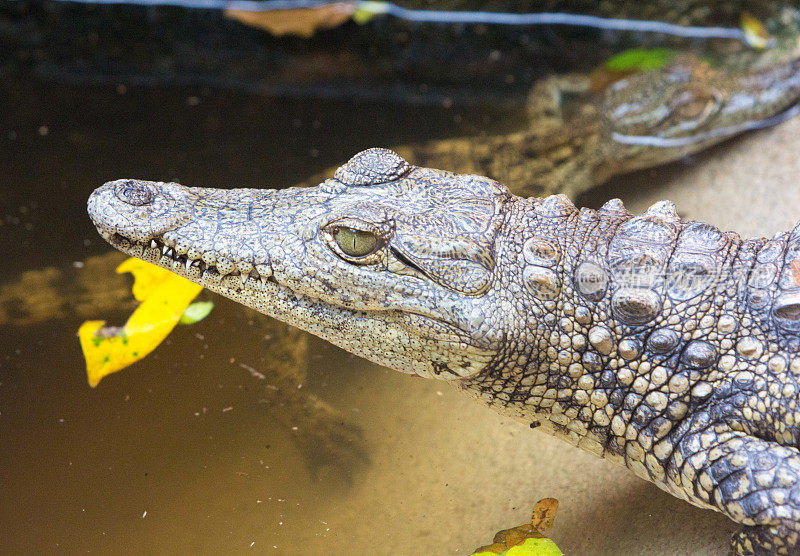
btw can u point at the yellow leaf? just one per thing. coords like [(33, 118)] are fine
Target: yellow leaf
[(164, 297), (366, 11), (756, 34), (528, 547), (535, 547)]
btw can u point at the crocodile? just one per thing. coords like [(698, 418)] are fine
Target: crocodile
[(667, 346), (583, 129)]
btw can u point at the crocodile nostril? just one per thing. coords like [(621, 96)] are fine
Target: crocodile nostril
[(134, 192)]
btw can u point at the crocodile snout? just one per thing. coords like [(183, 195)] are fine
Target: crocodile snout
[(138, 210)]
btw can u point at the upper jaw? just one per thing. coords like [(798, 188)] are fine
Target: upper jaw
[(154, 221), (164, 252)]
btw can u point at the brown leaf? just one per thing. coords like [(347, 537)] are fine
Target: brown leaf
[(497, 548), (544, 513), (515, 535), (303, 22)]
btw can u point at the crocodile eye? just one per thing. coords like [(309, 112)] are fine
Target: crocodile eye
[(355, 243), (691, 109)]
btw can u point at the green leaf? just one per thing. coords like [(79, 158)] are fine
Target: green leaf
[(530, 547), (640, 59), (535, 547), (196, 312), (756, 34), (366, 11)]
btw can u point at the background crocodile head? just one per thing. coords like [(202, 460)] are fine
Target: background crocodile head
[(689, 105), (392, 262)]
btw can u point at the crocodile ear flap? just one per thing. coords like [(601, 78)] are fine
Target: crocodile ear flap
[(460, 263)]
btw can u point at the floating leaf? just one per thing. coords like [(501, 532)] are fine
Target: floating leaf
[(640, 59), (303, 22), (526, 539), (529, 547), (535, 547), (366, 11), (164, 297), (544, 514), (196, 312), (756, 34)]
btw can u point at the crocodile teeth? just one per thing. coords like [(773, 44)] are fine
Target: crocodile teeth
[(189, 263), (209, 258), (244, 278), (264, 270), (153, 244), (263, 280)]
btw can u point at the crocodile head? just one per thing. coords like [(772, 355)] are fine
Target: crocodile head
[(392, 262), (688, 105)]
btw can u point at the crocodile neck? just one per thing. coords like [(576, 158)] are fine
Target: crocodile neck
[(594, 337)]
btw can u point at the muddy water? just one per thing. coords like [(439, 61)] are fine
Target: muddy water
[(188, 451)]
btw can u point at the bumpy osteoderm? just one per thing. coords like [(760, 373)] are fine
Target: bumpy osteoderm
[(667, 346)]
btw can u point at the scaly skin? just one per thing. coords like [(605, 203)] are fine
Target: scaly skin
[(667, 346), (568, 147)]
